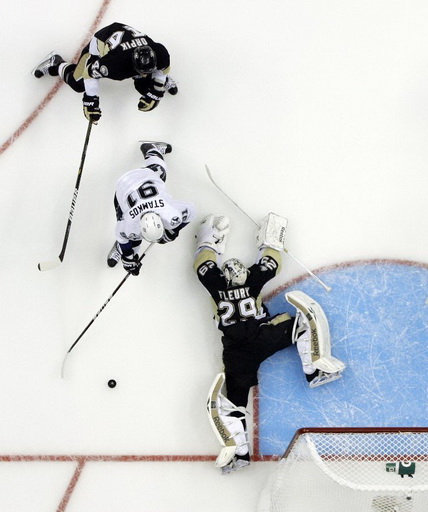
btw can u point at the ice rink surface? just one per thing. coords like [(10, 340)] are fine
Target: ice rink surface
[(317, 111)]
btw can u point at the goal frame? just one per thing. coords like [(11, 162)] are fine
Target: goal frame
[(352, 467), (350, 430)]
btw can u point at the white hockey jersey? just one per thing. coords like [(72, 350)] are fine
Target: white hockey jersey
[(140, 191)]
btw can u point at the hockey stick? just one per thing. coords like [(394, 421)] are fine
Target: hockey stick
[(327, 288), (47, 265), (101, 309)]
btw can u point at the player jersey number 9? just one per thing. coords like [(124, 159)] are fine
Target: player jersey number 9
[(246, 308), (144, 191)]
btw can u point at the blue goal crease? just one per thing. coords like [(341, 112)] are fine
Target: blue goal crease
[(378, 316)]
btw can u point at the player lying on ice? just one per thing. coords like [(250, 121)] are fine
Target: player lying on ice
[(249, 334), (144, 209), (115, 52)]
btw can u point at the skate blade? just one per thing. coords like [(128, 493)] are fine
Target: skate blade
[(231, 468), (325, 380)]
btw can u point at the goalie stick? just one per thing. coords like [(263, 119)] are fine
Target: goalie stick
[(101, 309), (47, 265), (327, 288)]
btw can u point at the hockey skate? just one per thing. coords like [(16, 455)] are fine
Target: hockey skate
[(323, 378), (171, 86), (48, 65), (238, 462), (114, 256), (150, 148)]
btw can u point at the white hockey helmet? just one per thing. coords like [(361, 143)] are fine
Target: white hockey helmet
[(152, 228), (235, 272)]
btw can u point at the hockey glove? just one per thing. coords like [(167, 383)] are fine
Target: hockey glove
[(149, 101), (271, 232), (91, 108), (168, 236), (131, 264)]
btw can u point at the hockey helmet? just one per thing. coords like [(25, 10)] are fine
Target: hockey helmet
[(144, 59), (152, 228), (235, 272)]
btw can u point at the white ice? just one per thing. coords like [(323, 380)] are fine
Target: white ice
[(317, 111)]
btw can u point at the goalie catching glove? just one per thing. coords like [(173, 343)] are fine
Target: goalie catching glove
[(213, 233), (271, 232)]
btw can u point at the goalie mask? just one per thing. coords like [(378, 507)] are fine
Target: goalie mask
[(144, 60), (152, 228), (235, 272)]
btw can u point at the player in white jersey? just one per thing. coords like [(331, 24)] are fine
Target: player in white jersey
[(145, 210)]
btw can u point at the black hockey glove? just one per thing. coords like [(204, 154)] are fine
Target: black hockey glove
[(131, 264), (149, 101), (168, 236), (91, 108)]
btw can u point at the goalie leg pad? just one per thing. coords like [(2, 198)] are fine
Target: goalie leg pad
[(229, 430), (311, 333)]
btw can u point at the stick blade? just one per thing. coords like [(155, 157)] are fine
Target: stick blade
[(63, 365), (210, 175), (48, 265)]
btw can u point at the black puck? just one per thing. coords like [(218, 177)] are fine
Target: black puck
[(111, 383)]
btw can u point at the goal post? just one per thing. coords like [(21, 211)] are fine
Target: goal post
[(352, 469)]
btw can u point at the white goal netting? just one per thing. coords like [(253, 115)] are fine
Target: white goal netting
[(352, 470)]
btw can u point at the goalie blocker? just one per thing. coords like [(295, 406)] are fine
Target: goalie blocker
[(271, 232)]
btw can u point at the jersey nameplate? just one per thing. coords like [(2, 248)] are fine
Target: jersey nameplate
[(149, 205), (238, 293)]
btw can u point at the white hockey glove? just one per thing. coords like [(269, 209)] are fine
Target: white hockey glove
[(213, 233), (271, 232)]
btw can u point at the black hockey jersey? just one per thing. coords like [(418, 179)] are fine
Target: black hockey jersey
[(112, 49), (238, 308)]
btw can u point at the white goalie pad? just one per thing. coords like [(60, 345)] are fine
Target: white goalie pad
[(311, 333), (229, 430), (213, 232), (272, 232)]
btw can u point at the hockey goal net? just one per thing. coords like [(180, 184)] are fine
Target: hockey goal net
[(352, 470)]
